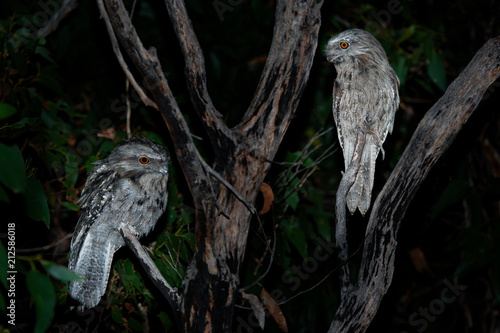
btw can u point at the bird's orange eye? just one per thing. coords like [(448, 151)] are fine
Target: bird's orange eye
[(344, 45), (143, 160)]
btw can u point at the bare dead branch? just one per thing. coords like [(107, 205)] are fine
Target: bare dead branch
[(345, 185), (66, 8), (197, 78), (432, 137), (153, 272), (45, 247), (116, 48)]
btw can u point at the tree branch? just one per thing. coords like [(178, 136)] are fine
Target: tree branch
[(221, 137), (67, 7), (147, 63), (345, 185), (432, 137), (153, 272), (285, 74)]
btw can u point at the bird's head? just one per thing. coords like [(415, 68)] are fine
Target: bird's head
[(138, 156), (353, 45)]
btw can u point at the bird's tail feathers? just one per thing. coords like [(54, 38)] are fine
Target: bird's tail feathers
[(92, 261), (359, 195)]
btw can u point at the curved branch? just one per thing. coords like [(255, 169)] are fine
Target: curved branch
[(432, 137), (66, 7), (220, 135)]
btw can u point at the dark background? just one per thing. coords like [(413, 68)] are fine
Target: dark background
[(57, 93)]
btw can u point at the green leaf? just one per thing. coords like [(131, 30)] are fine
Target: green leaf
[(436, 70), (71, 168), (129, 277), (36, 202), (12, 172), (401, 68), (44, 52), (43, 295), (6, 110), (293, 200), (165, 320), (407, 34), (61, 273), (117, 317), (23, 122), (69, 205), (134, 324)]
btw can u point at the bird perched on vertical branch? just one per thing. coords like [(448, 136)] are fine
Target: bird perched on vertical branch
[(127, 188), (365, 96)]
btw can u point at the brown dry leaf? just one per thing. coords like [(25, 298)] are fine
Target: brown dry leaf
[(108, 133), (257, 307), (257, 60), (274, 309), (418, 259), (267, 193)]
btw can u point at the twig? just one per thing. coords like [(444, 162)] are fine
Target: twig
[(230, 187), (340, 211), (46, 247), (287, 177), (153, 272), (116, 48), (66, 8), (268, 267), (129, 109)]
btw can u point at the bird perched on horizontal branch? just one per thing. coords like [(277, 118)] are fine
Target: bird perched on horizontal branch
[(365, 96), (127, 188)]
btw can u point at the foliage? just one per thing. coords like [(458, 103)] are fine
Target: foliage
[(62, 107)]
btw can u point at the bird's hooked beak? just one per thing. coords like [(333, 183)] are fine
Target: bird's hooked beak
[(164, 169)]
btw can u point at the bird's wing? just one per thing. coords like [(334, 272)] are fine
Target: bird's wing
[(97, 194), (337, 97), (387, 105)]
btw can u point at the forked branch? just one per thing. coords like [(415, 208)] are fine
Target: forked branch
[(196, 76)]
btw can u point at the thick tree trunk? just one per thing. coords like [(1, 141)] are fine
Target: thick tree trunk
[(212, 285), (224, 195)]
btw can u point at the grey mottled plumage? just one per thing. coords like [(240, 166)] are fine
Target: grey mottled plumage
[(365, 95), (127, 188)]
